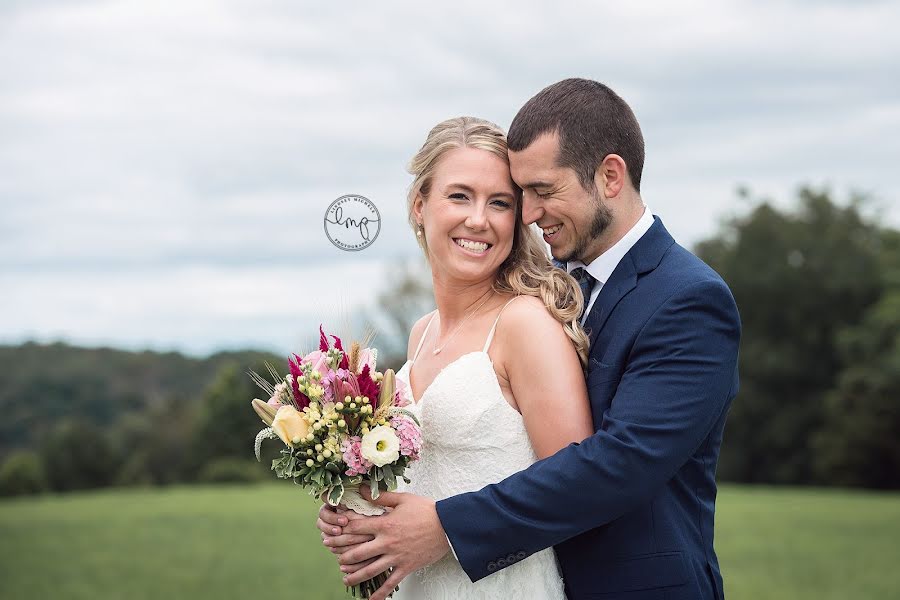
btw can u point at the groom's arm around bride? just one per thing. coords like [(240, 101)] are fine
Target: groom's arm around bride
[(629, 508)]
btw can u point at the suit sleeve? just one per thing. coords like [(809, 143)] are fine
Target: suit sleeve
[(679, 377)]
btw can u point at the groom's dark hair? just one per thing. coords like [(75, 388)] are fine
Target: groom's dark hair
[(592, 121)]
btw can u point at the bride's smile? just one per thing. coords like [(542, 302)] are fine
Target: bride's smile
[(475, 247)]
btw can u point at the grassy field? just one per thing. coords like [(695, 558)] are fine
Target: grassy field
[(259, 542)]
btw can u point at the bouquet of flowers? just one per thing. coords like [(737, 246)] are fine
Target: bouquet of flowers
[(343, 424)]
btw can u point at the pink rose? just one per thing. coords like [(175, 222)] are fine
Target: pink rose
[(317, 358)]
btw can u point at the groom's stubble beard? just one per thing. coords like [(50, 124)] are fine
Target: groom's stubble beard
[(602, 219)]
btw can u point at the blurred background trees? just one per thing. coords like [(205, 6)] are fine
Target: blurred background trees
[(817, 285), (398, 307), (79, 418)]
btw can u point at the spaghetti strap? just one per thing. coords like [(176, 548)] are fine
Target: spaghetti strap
[(490, 336), (422, 341)]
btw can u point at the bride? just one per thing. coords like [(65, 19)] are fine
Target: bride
[(496, 371)]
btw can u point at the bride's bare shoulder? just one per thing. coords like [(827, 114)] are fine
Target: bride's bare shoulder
[(528, 310), (526, 320), (415, 334)]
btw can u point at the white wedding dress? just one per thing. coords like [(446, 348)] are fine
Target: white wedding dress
[(472, 437)]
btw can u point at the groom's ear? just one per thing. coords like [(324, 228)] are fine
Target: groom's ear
[(611, 175)]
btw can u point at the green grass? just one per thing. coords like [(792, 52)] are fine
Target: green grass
[(799, 543), (259, 542), (190, 542)]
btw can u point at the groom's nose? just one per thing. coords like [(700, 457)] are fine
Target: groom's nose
[(531, 208)]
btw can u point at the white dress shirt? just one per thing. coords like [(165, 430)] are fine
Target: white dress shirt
[(602, 267)]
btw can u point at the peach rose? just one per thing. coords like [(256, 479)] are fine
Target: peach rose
[(290, 425)]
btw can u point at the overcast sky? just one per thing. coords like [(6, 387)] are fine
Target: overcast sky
[(165, 167)]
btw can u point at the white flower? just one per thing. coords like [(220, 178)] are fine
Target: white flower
[(381, 446)]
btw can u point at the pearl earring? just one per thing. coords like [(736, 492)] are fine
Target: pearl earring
[(419, 231)]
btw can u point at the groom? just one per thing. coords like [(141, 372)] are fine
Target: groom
[(629, 510)]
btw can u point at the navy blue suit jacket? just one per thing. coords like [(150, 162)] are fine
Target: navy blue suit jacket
[(630, 509)]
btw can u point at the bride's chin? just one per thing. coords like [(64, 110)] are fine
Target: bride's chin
[(467, 274)]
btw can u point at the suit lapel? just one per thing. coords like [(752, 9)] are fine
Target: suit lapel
[(643, 257), (622, 281)]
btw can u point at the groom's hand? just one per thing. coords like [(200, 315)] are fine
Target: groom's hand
[(331, 522), (406, 539)]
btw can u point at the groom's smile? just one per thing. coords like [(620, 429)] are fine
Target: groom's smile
[(550, 232)]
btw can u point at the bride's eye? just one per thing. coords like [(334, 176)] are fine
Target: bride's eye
[(458, 196), (501, 204)]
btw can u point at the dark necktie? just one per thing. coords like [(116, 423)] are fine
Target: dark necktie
[(585, 282)]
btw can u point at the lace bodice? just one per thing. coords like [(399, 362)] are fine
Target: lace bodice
[(472, 437)]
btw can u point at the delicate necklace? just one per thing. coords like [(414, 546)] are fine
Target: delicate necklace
[(461, 323)]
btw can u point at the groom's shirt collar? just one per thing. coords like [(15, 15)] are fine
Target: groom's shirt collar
[(602, 267)]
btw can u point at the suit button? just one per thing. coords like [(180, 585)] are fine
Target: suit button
[(511, 559), (501, 563), (521, 555), (492, 566)]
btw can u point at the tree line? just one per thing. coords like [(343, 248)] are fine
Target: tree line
[(818, 289)]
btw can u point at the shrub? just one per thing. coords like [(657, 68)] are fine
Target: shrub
[(22, 473)]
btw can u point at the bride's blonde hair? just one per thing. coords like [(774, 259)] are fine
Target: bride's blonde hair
[(527, 270)]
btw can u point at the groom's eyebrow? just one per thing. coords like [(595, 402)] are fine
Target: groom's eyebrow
[(534, 184)]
